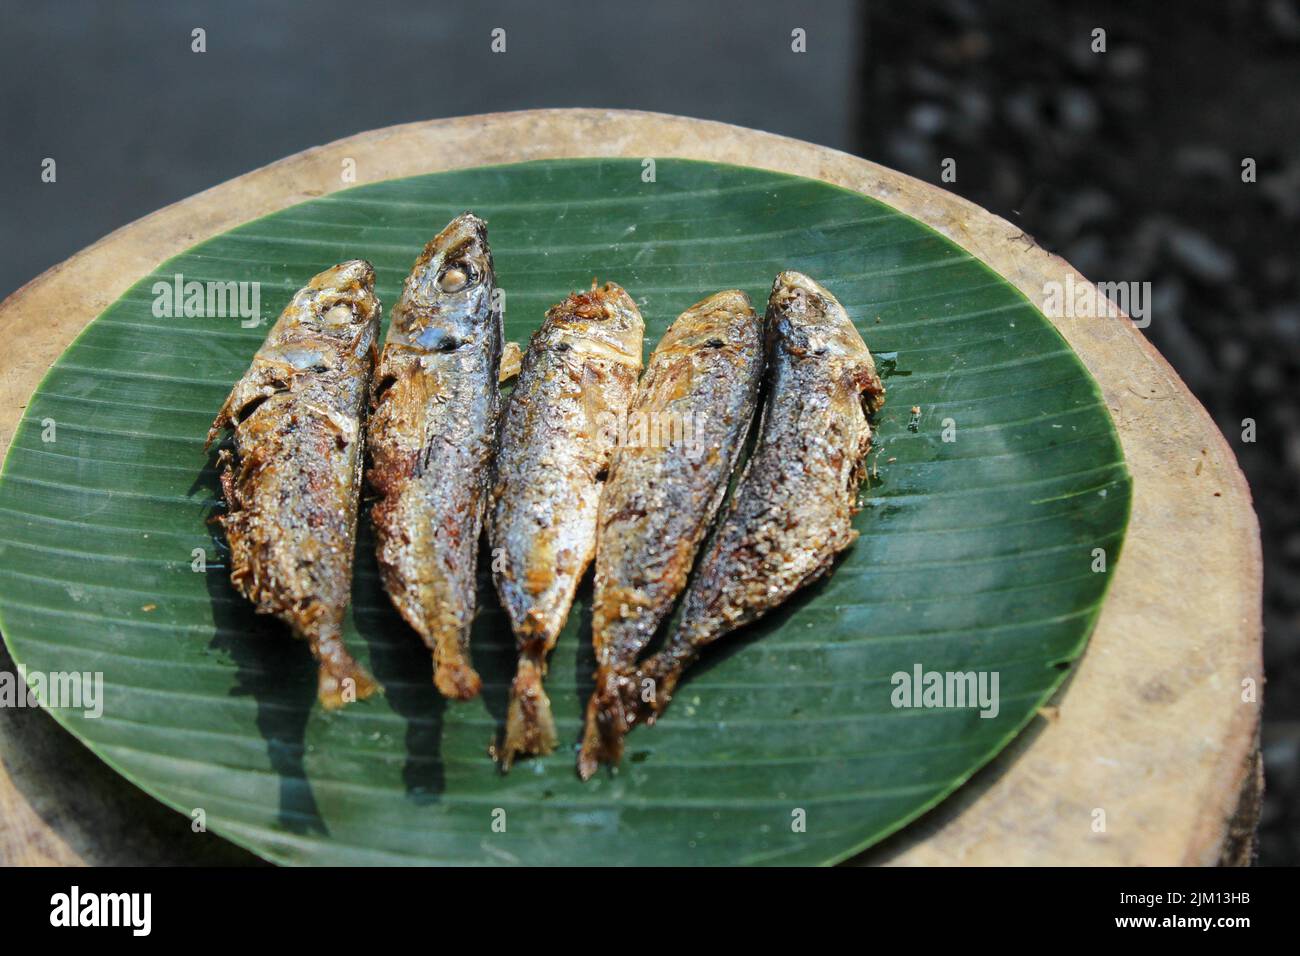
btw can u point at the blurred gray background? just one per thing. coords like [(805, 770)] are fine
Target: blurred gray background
[(135, 120), (1127, 163)]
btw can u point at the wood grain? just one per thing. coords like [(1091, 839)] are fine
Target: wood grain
[(1152, 730)]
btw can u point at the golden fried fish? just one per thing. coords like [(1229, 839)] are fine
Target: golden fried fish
[(666, 482), (560, 425), (431, 441), (292, 480), (791, 513)]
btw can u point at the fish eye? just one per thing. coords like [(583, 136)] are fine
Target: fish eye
[(339, 314), (456, 277)]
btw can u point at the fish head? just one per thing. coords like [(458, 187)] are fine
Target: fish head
[(604, 317), (336, 308), (811, 321), (448, 298), (341, 299), (724, 320), (810, 324)]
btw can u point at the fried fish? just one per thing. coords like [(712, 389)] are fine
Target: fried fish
[(666, 482), (791, 513), (560, 425), (292, 481), (431, 440)]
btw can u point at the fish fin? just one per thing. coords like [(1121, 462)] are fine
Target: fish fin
[(226, 474), (530, 728), (219, 425), (456, 680), (340, 680), (512, 359), (225, 418), (593, 752), (599, 744), (608, 710)]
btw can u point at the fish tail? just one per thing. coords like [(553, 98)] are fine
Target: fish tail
[(530, 728), (340, 680), (453, 674), (456, 679), (607, 721), (622, 700), (595, 749)]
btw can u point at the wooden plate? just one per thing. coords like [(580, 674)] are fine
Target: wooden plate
[(1158, 734)]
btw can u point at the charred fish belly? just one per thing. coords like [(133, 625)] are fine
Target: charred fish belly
[(560, 426), (431, 442), (666, 481), (292, 481), (792, 510)]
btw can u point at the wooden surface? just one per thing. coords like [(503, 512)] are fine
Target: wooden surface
[(1152, 729)]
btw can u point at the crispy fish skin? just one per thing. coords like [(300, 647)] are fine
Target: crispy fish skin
[(292, 483), (431, 440), (560, 426), (701, 386), (792, 510)]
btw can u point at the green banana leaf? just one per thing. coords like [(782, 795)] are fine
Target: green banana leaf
[(995, 475)]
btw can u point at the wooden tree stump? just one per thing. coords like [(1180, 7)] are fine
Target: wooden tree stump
[(1156, 730)]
